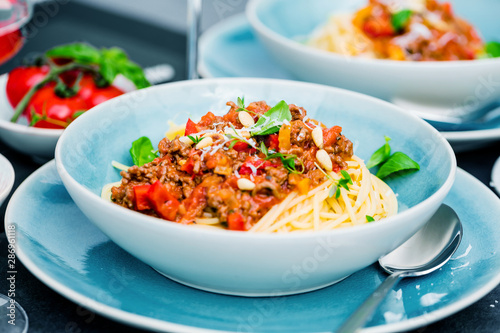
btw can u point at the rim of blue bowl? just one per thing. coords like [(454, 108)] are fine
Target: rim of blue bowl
[(140, 218), (251, 12)]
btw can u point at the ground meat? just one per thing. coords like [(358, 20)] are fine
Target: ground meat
[(298, 113), (204, 181)]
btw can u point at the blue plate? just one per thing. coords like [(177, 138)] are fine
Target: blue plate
[(231, 49), (69, 254)]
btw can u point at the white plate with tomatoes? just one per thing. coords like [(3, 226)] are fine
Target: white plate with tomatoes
[(38, 102), (33, 141)]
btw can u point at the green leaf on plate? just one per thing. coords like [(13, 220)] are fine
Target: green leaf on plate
[(381, 155), (397, 162)]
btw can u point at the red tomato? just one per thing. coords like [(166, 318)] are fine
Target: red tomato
[(379, 25), (273, 142), (163, 203), (21, 80), (195, 203), (94, 95), (207, 120), (241, 146), (141, 197), (330, 135), (235, 221), (52, 110), (191, 128), (253, 163)]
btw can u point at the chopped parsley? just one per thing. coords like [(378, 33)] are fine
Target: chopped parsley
[(195, 139), (342, 182)]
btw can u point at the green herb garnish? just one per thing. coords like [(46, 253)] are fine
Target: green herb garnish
[(195, 139), (110, 62), (241, 104), (397, 162), (369, 218), (288, 160), (381, 155), (142, 151), (400, 19), (390, 164), (271, 121), (342, 182), (492, 49)]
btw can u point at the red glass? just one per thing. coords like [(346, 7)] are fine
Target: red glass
[(14, 14)]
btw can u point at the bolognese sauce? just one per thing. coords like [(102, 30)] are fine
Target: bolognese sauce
[(234, 167)]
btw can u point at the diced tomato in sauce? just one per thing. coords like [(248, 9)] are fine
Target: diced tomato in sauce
[(236, 222), (141, 197), (162, 202)]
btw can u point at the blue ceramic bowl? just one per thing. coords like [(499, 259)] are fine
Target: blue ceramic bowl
[(452, 88), (243, 263)]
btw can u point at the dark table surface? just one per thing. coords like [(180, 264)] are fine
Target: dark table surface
[(149, 45)]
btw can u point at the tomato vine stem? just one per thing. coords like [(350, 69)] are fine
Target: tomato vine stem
[(54, 72)]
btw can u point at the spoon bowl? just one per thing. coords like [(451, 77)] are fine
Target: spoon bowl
[(426, 251)]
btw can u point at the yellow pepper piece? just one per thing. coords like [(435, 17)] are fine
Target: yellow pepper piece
[(303, 186), (174, 130), (284, 137)]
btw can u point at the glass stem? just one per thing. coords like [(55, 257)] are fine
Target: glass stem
[(193, 21)]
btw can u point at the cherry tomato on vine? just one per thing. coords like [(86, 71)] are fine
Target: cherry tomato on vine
[(94, 95), (47, 110), (21, 79)]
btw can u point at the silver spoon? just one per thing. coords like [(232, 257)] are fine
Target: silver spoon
[(426, 251)]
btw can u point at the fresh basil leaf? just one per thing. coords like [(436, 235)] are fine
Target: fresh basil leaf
[(108, 70), (381, 155), (79, 52), (134, 73), (492, 49), (337, 193), (346, 176), (369, 218), (400, 19), (397, 162), (270, 122), (115, 61), (234, 142), (142, 151), (77, 114), (263, 149), (241, 103)]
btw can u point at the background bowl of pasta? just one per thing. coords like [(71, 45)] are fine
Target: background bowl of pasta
[(251, 263), (303, 34)]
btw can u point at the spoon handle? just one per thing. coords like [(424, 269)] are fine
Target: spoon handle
[(363, 313)]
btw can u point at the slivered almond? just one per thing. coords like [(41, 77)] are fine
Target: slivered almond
[(245, 119), (205, 142), (245, 184), (235, 132), (185, 140), (324, 160), (317, 135)]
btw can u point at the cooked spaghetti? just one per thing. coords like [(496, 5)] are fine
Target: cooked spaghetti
[(257, 169), (417, 30)]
